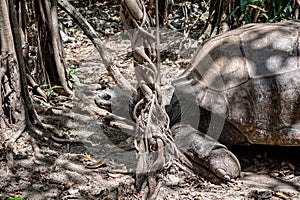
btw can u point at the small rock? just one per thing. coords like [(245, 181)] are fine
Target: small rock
[(173, 179), (73, 191)]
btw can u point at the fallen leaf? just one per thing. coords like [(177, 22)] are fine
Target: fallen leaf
[(114, 175), (235, 186), (291, 166), (281, 195), (87, 158), (97, 164)]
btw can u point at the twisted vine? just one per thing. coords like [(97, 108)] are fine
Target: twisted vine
[(155, 146)]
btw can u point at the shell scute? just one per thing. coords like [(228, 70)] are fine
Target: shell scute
[(254, 73)]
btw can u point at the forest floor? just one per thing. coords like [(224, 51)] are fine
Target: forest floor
[(63, 172), (65, 169)]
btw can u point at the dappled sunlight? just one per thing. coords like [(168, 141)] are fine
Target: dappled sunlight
[(256, 69)]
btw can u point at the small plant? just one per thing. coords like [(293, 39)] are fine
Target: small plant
[(15, 198), (51, 90), (72, 76), (280, 10), (263, 10)]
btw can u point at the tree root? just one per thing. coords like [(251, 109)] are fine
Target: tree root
[(63, 162), (93, 36), (155, 146), (35, 86), (9, 146), (38, 154)]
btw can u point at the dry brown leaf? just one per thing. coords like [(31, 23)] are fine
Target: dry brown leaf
[(235, 186), (281, 195), (291, 166), (97, 164), (87, 158), (114, 175)]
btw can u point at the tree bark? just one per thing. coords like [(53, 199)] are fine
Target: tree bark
[(55, 42), (153, 135), (11, 111), (15, 100), (30, 114)]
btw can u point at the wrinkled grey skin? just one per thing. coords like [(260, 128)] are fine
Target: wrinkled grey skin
[(200, 148)]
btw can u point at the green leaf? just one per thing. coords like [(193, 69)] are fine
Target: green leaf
[(15, 198), (55, 87), (247, 18), (243, 4), (232, 13), (75, 79), (282, 5), (49, 92), (256, 2), (289, 9), (44, 86), (266, 16), (70, 70)]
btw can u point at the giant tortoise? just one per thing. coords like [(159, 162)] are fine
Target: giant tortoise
[(241, 87)]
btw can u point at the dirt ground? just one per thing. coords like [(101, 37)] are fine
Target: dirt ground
[(63, 169)]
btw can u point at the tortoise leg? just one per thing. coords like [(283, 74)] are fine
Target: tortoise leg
[(206, 151)]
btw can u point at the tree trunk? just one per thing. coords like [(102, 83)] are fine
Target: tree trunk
[(17, 36), (30, 115), (11, 110), (50, 48)]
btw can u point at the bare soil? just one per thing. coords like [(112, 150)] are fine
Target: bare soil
[(52, 169)]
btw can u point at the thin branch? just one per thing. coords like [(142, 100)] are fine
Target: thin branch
[(157, 44), (93, 36), (35, 86)]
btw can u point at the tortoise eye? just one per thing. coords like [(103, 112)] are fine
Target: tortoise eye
[(107, 97)]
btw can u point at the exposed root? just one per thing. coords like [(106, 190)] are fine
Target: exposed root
[(8, 172), (93, 36), (9, 147), (121, 171), (63, 162), (156, 149), (37, 152), (65, 140), (156, 191)]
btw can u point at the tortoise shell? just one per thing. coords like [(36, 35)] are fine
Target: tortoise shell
[(251, 77)]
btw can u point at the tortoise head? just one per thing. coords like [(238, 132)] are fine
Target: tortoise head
[(116, 101), (104, 99)]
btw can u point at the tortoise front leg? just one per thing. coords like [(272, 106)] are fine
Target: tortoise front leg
[(206, 151)]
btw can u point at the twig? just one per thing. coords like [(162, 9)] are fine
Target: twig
[(157, 189), (257, 7), (157, 44), (121, 171), (93, 36), (147, 134), (35, 86)]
